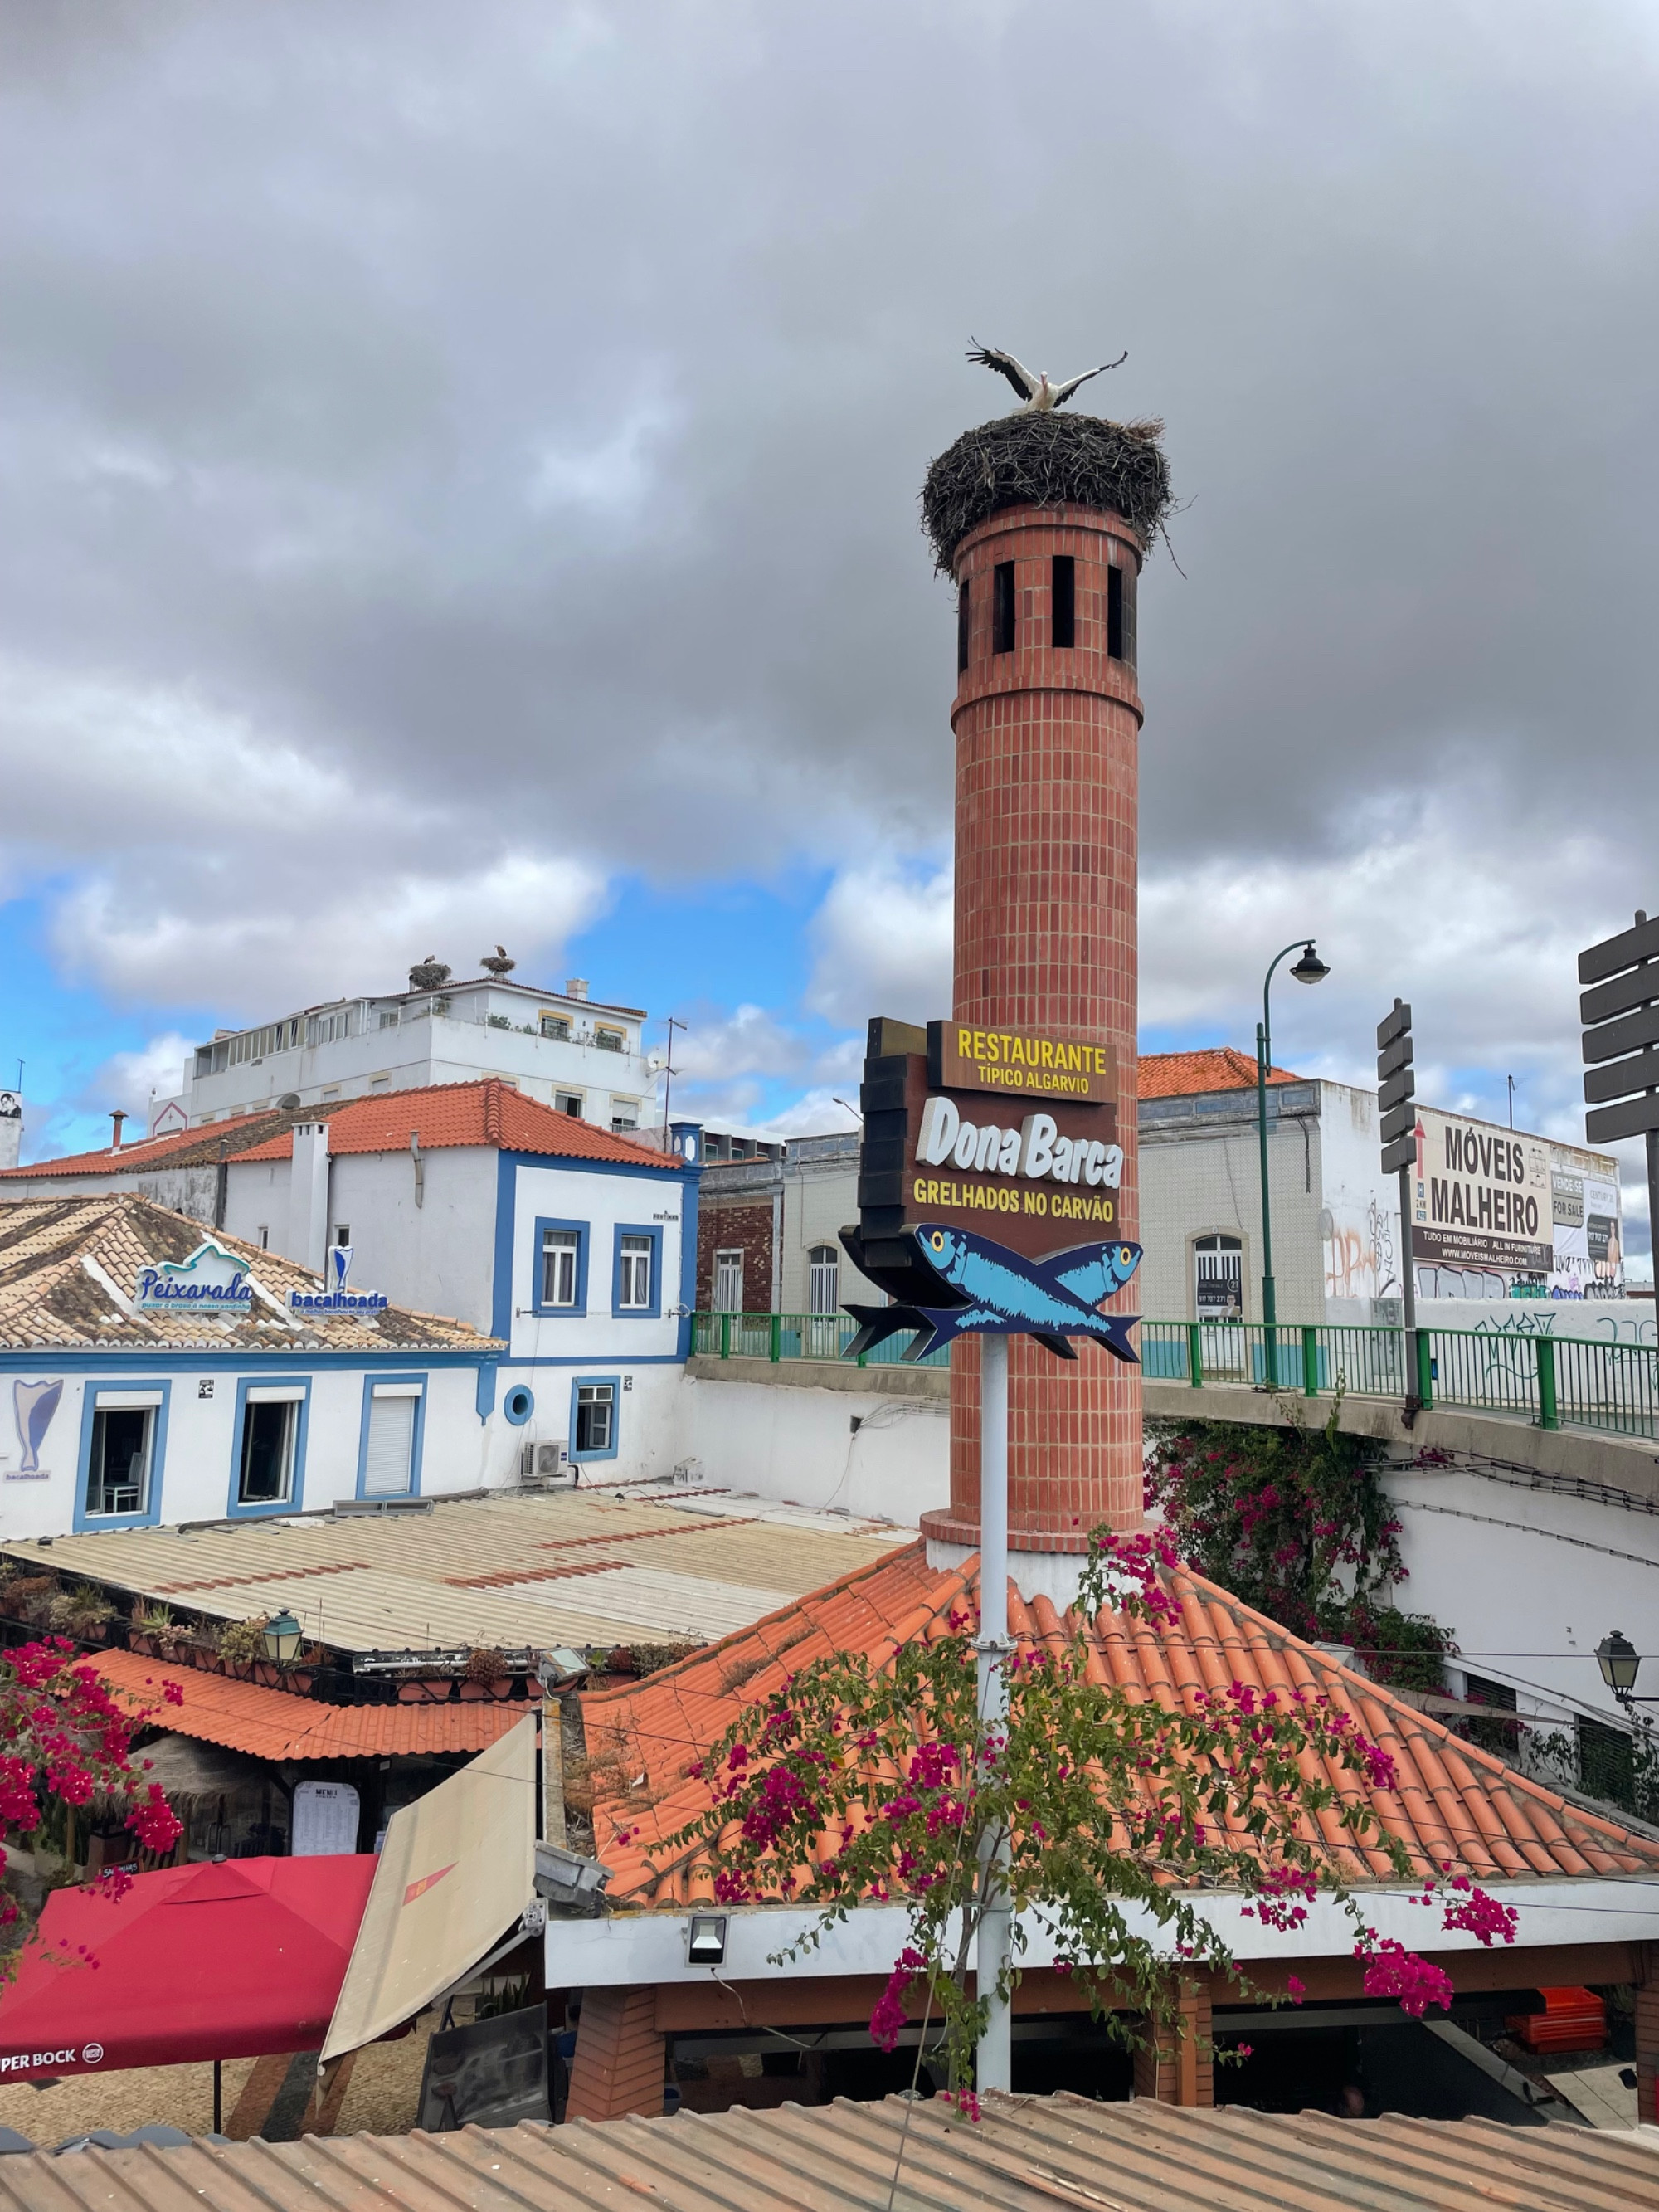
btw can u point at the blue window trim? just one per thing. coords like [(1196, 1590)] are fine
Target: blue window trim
[(578, 1311), (659, 1182), (518, 1405), (296, 1499), (653, 1311), (416, 1447), (85, 1522), (583, 1459)]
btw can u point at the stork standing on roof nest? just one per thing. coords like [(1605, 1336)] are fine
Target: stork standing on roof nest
[(500, 965), (1041, 397)]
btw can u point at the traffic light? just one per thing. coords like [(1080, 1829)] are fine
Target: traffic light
[(1396, 1088)]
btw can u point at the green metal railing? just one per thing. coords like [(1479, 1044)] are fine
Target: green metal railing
[(797, 1336), (1553, 1381)]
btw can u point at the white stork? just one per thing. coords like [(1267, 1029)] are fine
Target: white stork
[(1041, 397)]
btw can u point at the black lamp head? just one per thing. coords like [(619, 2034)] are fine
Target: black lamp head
[(1619, 1660), (1309, 968)]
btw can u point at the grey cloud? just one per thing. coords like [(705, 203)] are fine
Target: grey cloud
[(515, 416)]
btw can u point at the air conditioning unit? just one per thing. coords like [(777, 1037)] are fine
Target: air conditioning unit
[(550, 1458)]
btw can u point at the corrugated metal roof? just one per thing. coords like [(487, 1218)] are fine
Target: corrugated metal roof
[(1027, 2155), (574, 1568), (273, 1725), (1454, 1806)]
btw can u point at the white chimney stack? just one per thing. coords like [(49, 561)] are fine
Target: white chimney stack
[(307, 1196), (576, 987)]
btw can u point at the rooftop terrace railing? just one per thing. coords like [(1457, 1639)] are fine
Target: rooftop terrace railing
[(1552, 1381)]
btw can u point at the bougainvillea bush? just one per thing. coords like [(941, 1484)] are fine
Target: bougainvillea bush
[(862, 1781), (63, 1737), (1295, 1521)]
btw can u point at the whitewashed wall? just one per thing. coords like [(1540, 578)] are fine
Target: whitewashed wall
[(196, 1475), (798, 1444)]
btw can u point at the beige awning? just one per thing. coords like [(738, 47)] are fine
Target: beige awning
[(456, 1872)]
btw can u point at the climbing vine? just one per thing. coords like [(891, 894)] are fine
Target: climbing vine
[(1295, 1521)]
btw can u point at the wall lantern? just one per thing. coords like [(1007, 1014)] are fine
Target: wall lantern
[(1618, 1658), (283, 1635), (705, 1941)]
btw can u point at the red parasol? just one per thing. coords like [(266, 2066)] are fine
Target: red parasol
[(226, 1961)]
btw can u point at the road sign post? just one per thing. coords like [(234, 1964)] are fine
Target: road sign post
[(1396, 1092), (1622, 1034)]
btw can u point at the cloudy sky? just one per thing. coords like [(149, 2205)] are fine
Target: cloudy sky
[(459, 473)]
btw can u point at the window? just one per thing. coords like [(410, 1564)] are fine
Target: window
[(1002, 607), (325, 1028), (342, 1232), (595, 1427), (1062, 602), (270, 1428), (379, 1082), (264, 1234), (634, 1274), (391, 1433), (1218, 1276), (963, 618), (1121, 614), (389, 1021), (624, 1113), (562, 1252), (823, 1280), (556, 1025), (728, 1282), (610, 1040), (123, 1447), (568, 1101)]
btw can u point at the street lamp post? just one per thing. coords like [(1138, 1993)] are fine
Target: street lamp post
[(1309, 968)]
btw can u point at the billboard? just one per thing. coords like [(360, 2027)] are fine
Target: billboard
[(1481, 1197)]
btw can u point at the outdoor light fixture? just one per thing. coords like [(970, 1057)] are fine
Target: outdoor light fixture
[(1309, 968), (1618, 1659), (283, 1635), (566, 1878), (705, 1940)]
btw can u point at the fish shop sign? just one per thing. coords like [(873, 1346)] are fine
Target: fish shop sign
[(212, 1282)]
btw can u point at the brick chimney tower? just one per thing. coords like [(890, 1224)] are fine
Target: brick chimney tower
[(1047, 718)]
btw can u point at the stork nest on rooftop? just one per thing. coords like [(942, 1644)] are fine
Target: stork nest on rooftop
[(1054, 459)]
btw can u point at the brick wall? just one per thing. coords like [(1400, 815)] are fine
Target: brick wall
[(735, 1221)]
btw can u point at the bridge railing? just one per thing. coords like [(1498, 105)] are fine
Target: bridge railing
[(1554, 1382)]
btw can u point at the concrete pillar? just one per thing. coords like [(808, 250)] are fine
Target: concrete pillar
[(1177, 2069), (619, 2062), (1045, 840), (307, 1196)]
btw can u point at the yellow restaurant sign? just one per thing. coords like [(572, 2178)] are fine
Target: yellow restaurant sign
[(1024, 1063)]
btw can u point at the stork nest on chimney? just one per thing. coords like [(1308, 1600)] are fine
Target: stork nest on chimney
[(1057, 459)]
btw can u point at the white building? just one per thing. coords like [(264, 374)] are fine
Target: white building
[(152, 1372), (561, 1047), (570, 1245)]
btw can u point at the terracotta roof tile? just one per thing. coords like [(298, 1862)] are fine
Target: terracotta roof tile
[(1188, 1074), (487, 1112), (273, 1724), (1456, 1804), (69, 1268), (178, 1148)]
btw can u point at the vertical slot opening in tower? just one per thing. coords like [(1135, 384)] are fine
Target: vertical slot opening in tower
[(1115, 613), (962, 624), (1062, 601), (1002, 607)]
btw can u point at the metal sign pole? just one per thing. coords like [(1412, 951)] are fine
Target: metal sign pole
[(995, 1950)]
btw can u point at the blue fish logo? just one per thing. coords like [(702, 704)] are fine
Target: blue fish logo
[(991, 1291)]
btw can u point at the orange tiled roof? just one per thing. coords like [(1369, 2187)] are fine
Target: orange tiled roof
[(178, 1148), (272, 1724), (1187, 1074), (485, 1112), (1455, 1805)]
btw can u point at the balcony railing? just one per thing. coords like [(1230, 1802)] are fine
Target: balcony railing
[(1552, 1381)]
